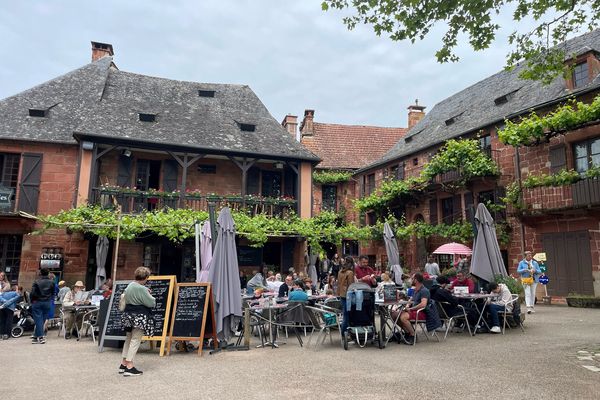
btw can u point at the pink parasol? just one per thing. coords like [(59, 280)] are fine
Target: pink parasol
[(453, 248)]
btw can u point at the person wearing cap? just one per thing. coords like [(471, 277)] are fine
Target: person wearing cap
[(69, 301), (63, 289)]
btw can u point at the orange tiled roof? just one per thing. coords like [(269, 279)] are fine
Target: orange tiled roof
[(350, 146)]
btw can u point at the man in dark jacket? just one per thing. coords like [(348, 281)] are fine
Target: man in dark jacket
[(449, 302), (41, 294)]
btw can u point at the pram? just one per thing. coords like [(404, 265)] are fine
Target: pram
[(361, 316), (23, 321)]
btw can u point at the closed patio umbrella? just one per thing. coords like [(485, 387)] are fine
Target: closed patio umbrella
[(393, 254), (101, 254), (206, 252), (487, 261), (224, 276), (312, 268)]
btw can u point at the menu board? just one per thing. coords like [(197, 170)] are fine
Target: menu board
[(161, 288), (112, 328), (390, 293)]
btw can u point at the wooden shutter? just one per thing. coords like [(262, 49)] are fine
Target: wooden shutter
[(469, 209), (558, 159), (29, 187), (400, 171), (289, 183), (253, 181), (170, 172), (433, 212), (457, 208), (124, 171)]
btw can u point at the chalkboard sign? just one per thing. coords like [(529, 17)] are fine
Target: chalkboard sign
[(390, 293), (193, 314), (112, 328), (249, 256), (161, 288)]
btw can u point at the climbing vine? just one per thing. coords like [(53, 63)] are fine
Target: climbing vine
[(328, 177)]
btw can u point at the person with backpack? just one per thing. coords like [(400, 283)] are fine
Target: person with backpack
[(41, 295)]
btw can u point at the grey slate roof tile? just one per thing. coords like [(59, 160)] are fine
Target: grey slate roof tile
[(99, 100)]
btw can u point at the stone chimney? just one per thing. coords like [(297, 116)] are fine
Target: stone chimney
[(290, 123), (306, 127), (100, 50), (415, 114)]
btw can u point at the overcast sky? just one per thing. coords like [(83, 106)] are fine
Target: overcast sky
[(292, 54)]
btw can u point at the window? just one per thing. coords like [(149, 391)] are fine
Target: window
[(447, 210), (147, 117), (206, 93), (152, 257), (415, 161), (349, 248), (485, 144), (586, 154), (580, 75), (371, 219), (247, 127), (370, 184), (329, 198), (34, 112), (207, 169), (9, 169), (10, 256), (271, 184), (486, 197)]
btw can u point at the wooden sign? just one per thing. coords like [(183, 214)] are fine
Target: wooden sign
[(112, 328), (193, 315), (161, 288)]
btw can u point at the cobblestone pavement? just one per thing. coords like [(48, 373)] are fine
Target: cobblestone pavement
[(557, 358)]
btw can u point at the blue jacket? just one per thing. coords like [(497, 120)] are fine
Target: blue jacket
[(298, 295), (523, 269), (9, 300)]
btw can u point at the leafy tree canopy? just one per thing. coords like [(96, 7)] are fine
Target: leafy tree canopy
[(554, 20)]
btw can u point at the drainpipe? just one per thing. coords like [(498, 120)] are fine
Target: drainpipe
[(518, 176)]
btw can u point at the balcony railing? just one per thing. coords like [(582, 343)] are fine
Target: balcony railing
[(133, 201), (582, 194)]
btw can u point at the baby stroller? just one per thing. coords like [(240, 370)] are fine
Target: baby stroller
[(361, 316), (23, 321)]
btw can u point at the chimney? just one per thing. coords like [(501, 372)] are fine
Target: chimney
[(100, 50), (290, 122), (415, 114), (306, 127)]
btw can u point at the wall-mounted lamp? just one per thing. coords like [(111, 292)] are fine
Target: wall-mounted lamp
[(278, 165), (87, 145), (126, 153)]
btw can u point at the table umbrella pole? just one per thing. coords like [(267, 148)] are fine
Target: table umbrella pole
[(116, 255), (197, 244)]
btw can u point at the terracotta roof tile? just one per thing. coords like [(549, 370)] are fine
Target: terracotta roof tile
[(350, 146)]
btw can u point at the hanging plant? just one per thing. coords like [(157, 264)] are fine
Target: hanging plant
[(329, 177)]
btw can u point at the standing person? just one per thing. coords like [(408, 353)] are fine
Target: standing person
[(432, 268), (136, 319), (363, 269), (42, 292), (345, 279), (530, 274), (334, 265), (4, 283), (8, 302)]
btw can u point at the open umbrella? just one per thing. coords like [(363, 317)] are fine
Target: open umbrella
[(453, 248), (206, 252), (224, 276), (487, 261), (101, 254), (393, 255)]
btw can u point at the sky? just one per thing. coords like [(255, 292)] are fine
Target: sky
[(291, 53)]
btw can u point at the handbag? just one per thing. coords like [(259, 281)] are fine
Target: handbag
[(527, 280), (122, 302)]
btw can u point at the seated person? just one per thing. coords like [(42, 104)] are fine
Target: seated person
[(285, 288), (363, 269), (297, 293), (62, 291), (385, 281), (500, 304), (420, 300), (462, 280), (257, 281), (329, 293), (72, 298), (270, 276), (449, 302)]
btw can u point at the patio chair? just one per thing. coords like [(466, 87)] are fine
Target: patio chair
[(89, 322), (323, 319), (513, 316), (296, 318), (451, 321), (421, 321), (256, 322)]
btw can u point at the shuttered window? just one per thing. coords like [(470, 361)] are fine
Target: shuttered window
[(447, 210), (469, 209), (433, 212), (170, 171), (558, 159), (124, 171), (253, 181)]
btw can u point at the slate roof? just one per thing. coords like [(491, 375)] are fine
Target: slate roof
[(474, 108), (100, 100), (350, 146)]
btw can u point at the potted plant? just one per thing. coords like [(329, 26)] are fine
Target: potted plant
[(583, 301)]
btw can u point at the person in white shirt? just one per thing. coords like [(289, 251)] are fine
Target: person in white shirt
[(432, 268), (502, 303)]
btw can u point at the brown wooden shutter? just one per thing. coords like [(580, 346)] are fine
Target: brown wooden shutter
[(558, 159), (470, 210), (456, 208), (29, 187), (433, 212), (400, 171), (289, 183), (170, 171), (124, 171), (253, 181)]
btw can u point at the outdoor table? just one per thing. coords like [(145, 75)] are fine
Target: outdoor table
[(473, 298), (79, 310), (385, 317), (268, 306)]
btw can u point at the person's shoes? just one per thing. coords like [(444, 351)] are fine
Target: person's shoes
[(4, 337), (496, 329), (34, 340), (532, 311), (408, 340), (122, 368), (529, 311), (42, 340), (132, 372), (67, 336)]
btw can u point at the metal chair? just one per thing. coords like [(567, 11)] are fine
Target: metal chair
[(514, 314), (451, 321), (89, 322), (323, 319), (422, 322)]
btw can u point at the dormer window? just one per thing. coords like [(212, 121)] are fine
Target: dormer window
[(37, 112), (144, 117), (581, 75), (247, 127), (206, 93)]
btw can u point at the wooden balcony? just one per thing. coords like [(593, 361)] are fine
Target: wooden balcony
[(582, 194), (134, 201)]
